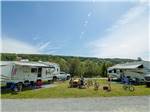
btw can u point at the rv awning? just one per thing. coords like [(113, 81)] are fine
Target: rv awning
[(30, 64), (49, 64), (124, 66)]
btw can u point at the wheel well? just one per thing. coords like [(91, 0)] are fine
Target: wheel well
[(55, 77), (31, 81), (26, 81), (39, 80), (19, 83)]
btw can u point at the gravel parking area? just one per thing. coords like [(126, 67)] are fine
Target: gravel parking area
[(103, 104)]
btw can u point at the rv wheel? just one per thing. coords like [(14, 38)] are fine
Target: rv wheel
[(68, 77), (54, 78), (147, 84)]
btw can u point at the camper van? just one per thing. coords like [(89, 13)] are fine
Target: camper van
[(23, 72), (134, 70), (55, 69)]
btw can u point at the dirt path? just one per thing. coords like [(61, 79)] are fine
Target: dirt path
[(103, 104)]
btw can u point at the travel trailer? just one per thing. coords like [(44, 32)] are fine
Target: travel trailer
[(135, 70), (22, 72)]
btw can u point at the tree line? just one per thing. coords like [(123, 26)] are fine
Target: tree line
[(76, 66)]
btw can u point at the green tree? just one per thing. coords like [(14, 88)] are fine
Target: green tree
[(104, 70), (74, 66), (81, 69), (8, 56), (89, 69)]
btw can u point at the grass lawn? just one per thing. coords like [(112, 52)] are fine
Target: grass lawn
[(62, 91)]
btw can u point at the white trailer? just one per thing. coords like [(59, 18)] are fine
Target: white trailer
[(23, 72), (55, 69), (136, 70)]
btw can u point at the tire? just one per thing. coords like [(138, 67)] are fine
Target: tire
[(131, 88), (54, 78), (26, 83), (19, 86), (147, 84), (68, 77)]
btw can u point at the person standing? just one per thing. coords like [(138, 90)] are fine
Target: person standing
[(126, 80), (82, 80), (109, 83)]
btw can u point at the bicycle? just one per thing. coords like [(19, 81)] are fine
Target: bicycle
[(128, 87), (89, 83)]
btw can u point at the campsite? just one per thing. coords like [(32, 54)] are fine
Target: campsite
[(61, 90), (45, 79), (75, 56)]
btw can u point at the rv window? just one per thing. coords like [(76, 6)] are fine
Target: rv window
[(47, 71), (39, 72), (109, 71), (141, 66), (114, 70), (33, 70)]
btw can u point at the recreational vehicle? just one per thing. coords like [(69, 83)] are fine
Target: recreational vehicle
[(135, 70), (57, 74), (23, 72), (54, 68)]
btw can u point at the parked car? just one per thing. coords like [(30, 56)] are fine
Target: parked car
[(63, 76)]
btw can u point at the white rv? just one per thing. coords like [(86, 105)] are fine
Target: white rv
[(26, 72), (136, 70), (55, 69)]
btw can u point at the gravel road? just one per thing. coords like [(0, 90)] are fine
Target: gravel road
[(103, 104)]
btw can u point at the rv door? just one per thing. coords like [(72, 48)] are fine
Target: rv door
[(39, 72)]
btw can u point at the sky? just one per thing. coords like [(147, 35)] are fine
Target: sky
[(110, 29)]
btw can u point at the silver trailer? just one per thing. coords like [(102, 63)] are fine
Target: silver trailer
[(135, 70)]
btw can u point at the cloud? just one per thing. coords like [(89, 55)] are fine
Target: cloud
[(10, 45), (35, 38), (49, 47), (85, 24), (87, 21), (81, 35), (133, 13), (127, 38), (44, 45), (89, 14)]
